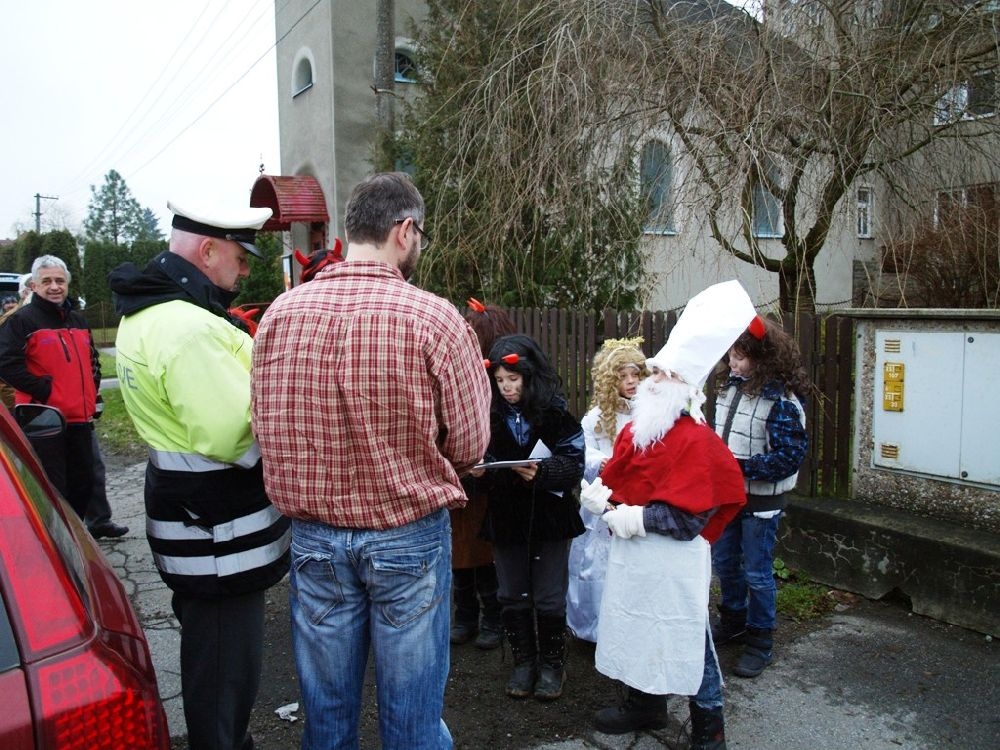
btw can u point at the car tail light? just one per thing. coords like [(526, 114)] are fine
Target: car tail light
[(83, 690), (92, 700)]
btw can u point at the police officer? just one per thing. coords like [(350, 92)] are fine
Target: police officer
[(218, 543)]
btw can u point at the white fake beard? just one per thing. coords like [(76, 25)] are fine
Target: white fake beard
[(655, 409)]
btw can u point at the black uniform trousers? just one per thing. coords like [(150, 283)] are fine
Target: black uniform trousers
[(222, 646)]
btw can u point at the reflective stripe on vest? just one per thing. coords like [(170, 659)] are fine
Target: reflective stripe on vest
[(195, 462), (221, 532), (225, 565)]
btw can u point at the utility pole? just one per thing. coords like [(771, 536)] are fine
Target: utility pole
[(38, 210)]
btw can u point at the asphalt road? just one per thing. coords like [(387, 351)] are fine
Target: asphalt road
[(870, 675)]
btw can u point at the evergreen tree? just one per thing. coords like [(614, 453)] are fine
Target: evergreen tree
[(27, 247), (99, 258), (113, 214), (267, 277), (150, 226), (63, 245)]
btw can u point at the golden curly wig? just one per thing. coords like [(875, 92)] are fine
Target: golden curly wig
[(614, 355)]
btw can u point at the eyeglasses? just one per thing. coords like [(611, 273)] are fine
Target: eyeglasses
[(425, 239)]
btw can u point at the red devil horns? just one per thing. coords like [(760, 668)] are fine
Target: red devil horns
[(507, 359), (757, 328), (319, 260), (475, 305)]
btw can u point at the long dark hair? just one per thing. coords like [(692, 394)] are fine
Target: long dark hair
[(775, 356), (542, 384)]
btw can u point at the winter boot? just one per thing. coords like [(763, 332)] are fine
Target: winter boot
[(465, 623), (639, 711), (519, 629), (490, 629), (552, 657), (757, 653), (731, 627), (708, 730)]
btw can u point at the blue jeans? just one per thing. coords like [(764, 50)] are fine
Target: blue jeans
[(355, 589), (743, 559), (710, 691)]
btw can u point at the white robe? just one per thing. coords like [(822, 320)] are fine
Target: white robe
[(654, 614), (588, 554)]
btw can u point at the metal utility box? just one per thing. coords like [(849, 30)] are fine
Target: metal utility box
[(934, 410)]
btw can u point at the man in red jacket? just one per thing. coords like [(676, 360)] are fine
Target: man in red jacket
[(48, 356)]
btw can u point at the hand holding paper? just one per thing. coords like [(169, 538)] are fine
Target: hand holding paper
[(594, 496)]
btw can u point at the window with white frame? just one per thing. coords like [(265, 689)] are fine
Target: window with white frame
[(866, 201), (656, 176), (968, 100), (766, 219)]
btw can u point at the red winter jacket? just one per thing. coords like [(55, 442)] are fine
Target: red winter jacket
[(48, 356)]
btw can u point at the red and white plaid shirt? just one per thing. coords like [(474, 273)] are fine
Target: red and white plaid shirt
[(369, 397)]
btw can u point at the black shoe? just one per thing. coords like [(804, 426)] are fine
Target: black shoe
[(488, 638), (522, 681), (708, 728), (107, 529), (462, 633), (730, 628), (757, 653), (639, 711)]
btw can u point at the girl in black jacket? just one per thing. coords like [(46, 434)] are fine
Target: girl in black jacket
[(533, 512)]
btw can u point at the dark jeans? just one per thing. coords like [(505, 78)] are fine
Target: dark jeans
[(743, 558), (472, 587), (98, 509), (68, 459), (222, 649)]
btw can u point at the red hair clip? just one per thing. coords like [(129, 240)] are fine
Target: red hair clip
[(475, 305), (757, 329), (507, 359)]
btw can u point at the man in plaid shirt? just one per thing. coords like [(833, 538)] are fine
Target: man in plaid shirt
[(369, 400)]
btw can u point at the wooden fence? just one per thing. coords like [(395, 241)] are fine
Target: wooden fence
[(571, 337)]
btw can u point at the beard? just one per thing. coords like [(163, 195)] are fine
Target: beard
[(655, 408), (408, 266)]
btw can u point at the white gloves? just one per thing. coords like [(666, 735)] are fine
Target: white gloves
[(625, 521), (594, 496)]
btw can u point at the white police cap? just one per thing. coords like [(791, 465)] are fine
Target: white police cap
[(239, 224)]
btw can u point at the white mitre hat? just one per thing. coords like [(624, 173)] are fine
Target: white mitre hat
[(711, 322)]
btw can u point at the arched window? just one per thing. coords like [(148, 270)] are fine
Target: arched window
[(302, 77), (656, 176), (406, 68)]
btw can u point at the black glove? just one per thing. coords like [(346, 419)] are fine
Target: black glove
[(99, 408)]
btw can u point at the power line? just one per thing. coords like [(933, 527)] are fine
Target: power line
[(228, 89)]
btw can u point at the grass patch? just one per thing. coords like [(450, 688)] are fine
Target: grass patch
[(797, 599), (107, 365), (104, 336), (115, 429)]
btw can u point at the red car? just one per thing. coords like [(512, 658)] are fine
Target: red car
[(75, 670)]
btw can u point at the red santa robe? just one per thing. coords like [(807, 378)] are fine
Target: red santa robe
[(654, 614)]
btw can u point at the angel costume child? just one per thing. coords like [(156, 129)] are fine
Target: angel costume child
[(618, 368)]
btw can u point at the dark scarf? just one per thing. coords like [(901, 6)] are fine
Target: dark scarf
[(167, 277)]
